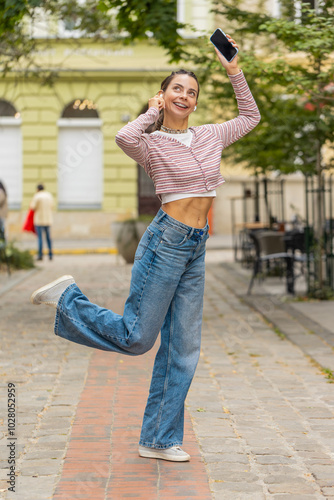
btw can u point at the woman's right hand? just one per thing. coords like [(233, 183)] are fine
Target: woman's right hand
[(231, 67), (157, 101)]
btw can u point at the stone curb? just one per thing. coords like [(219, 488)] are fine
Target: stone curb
[(80, 251), (17, 280)]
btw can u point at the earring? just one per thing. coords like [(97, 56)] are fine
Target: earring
[(195, 108)]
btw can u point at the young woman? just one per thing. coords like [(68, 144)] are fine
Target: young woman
[(167, 284)]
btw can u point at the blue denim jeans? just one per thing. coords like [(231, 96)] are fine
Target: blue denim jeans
[(166, 295), (39, 231)]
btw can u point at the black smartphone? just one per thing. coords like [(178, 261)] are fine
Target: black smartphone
[(220, 40)]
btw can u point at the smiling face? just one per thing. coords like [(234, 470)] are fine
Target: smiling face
[(180, 97)]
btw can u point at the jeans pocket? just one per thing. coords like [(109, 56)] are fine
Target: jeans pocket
[(173, 238), (143, 244)]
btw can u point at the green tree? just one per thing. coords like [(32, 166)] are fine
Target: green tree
[(115, 20), (288, 62), (289, 65)]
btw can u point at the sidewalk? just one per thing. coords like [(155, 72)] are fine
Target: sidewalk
[(259, 420), (309, 324)]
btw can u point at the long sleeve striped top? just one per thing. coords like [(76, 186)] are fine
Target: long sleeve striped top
[(177, 168)]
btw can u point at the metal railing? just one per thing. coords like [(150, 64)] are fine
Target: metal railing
[(319, 232)]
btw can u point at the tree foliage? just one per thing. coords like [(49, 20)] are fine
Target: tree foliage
[(113, 20), (288, 62), (142, 19)]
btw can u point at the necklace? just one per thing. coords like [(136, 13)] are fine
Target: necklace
[(173, 130)]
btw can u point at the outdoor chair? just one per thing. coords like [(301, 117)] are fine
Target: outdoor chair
[(270, 247), (246, 247), (3, 253)]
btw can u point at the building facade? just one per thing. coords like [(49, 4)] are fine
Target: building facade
[(62, 135)]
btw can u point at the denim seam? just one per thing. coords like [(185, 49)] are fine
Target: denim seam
[(146, 246), (142, 293), (98, 333), (175, 246), (60, 301), (56, 323), (194, 256), (167, 372), (61, 311)]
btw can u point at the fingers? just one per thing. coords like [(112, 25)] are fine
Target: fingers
[(157, 101), (233, 42), (160, 100)]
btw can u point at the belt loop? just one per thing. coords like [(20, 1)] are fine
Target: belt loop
[(191, 232), (161, 216)]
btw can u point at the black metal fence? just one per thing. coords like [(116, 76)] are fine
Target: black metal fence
[(319, 232), (262, 206)]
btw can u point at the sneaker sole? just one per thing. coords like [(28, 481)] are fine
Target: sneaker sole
[(47, 287), (156, 454)]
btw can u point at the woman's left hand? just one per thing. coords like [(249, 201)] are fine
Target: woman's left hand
[(231, 67)]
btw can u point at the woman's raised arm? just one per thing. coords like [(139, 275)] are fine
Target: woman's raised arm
[(249, 115)]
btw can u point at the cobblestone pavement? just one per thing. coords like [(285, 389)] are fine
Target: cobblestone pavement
[(261, 409)]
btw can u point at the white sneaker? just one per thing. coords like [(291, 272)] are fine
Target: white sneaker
[(174, 454), (50, 294)]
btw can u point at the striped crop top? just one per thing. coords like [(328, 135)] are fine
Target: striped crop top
[(177, 168)]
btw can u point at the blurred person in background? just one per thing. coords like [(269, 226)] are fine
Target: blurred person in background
[(3, 209), (42, 204)]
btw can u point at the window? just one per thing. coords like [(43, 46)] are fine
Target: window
[(11, 153), (198, 14), (291, 9), (80, 156)]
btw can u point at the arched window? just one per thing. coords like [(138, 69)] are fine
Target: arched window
[(7, 109), (80, 108), (11, 153), (80, 156)]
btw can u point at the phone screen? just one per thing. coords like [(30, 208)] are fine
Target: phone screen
[(220, 41)]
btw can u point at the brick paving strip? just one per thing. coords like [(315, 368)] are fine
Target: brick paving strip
[(102, 459)]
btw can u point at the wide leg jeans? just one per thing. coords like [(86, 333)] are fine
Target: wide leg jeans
[(166, 295)]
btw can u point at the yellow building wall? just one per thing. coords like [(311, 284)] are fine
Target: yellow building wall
[(40, 109), (120, 86), (119, 80)]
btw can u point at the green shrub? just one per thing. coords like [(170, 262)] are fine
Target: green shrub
[(18, 259), (321, 293)]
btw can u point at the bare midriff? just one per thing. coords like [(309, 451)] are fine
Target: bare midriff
[(191, 211)]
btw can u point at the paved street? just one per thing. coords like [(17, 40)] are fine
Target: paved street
[(260, 412)]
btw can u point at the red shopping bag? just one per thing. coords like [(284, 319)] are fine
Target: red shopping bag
[(29, 222)]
